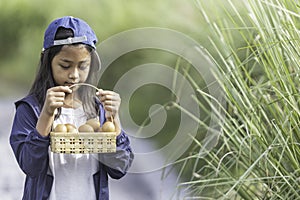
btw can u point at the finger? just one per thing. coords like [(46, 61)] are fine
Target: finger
[(99, 92), (59, 94), (108, 92), (65, 89), (111, 103), (58, 91), (108, 98), (107, 103), (56, 95), (105, 92), (59, 99), (56, 104), (111, 109)]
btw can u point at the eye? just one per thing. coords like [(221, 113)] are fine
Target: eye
[(83, 67), (64, 66)]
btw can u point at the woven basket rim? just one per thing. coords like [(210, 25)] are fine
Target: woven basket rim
[(88, 134)]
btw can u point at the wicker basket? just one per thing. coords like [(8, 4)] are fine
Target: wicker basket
[(83, 142), (97, 142)]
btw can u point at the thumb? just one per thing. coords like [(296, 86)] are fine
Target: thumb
[(108, 116)]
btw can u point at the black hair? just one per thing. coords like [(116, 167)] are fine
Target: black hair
[(44, 78)]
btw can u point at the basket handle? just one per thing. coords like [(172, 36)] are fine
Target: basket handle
[(87, 84)]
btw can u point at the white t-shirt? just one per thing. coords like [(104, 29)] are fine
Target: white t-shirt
[(73, 173)]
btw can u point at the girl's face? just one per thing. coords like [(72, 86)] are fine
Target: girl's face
[(71, 65)]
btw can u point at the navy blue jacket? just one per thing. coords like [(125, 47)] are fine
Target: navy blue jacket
[(31, 152)]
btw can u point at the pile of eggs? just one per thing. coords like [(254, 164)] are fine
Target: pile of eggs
[(92, 125)]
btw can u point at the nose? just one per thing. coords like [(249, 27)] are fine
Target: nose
[(74, 74)]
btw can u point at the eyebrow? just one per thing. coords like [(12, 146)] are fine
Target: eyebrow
[(69, 61)]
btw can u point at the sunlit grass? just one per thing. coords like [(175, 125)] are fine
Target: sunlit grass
[(256, 49)]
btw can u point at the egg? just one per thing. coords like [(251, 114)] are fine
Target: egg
[(94, 122), (85, 128), (60, 128), (71, 128), (108, 127)]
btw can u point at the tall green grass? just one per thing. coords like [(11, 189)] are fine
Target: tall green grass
[(256, 48)]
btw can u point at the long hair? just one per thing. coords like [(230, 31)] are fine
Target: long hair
[(44, 78)]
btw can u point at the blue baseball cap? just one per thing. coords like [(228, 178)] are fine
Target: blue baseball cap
[(82, 32)]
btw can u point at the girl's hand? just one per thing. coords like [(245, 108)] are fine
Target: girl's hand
[(55, 98), (111, 102)]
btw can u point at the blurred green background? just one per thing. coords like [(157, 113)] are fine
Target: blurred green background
[(234, 31), (23, 23)]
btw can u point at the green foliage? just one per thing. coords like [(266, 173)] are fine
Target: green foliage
[(26, 20), (256, 47), (23, 23)]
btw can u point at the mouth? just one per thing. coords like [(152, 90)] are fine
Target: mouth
[(69, 84)]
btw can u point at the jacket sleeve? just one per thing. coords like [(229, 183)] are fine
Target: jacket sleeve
[(29, 147), (118, 163)]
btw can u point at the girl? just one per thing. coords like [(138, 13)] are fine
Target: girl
[(68, 57)]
